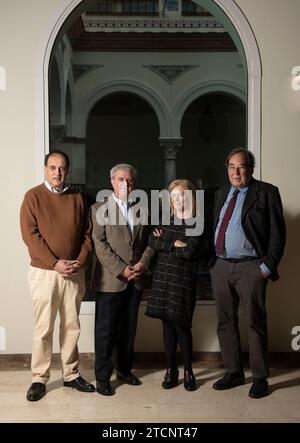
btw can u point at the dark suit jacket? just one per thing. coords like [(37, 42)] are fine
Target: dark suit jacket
[(262, 221)]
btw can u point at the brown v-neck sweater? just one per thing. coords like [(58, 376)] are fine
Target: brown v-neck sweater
[(55, 226)]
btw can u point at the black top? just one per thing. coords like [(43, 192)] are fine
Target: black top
[(173, 292)]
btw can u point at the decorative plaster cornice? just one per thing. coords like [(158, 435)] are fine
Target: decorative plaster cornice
[(170, 73), (151, 25), (81, 70)]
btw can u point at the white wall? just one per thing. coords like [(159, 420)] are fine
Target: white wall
[(276, 27)]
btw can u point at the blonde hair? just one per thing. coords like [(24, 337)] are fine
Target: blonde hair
[(186, 185)]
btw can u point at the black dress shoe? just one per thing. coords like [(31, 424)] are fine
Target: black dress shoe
[(259, 388), (171, 379), (230, 381), (104, 387), (130, 379), (36, 391), (189, 380), (80, 384)]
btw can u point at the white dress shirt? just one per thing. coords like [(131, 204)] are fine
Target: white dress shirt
[(52, 189), (126, 209)]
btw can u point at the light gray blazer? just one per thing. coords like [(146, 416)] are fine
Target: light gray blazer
[(116, 247)]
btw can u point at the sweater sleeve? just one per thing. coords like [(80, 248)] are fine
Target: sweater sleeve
[(160, 243), (31, 235), (147, 256), (190, 249)]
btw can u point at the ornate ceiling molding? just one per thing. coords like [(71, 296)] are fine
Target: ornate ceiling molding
[(129, 24), (209, 37), (81, 70), (170, 73)]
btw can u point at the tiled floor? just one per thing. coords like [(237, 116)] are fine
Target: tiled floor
[(149, 402)]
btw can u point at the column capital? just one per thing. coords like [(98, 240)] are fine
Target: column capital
[(171, 146)]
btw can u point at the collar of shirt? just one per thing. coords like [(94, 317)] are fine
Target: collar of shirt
[(123, 203), (126, 209), (242, 190), (236, 243), (55, 190)]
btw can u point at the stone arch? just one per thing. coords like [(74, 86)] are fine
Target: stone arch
[(197, 91), (124, 85)]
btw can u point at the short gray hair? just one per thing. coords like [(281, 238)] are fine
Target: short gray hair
[(124, 166)]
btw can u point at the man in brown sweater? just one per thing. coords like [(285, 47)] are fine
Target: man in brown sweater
[(56, 229)]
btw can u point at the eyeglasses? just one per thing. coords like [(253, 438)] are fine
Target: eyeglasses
[(124, 180), (241, 168)]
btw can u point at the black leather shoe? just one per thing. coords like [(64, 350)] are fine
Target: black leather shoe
[(130, 379), (36, 391), (80, 384), (189, 380), (171, 379), (104, 387), (230, 381), (259, 388)]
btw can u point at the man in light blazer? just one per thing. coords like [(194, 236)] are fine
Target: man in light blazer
[(123, 258), (249, 240)]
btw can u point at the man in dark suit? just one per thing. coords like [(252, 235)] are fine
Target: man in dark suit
[(120, 242), (249, 240)]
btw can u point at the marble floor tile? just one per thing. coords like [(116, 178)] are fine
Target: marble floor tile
[(149, 402), (232, 411)]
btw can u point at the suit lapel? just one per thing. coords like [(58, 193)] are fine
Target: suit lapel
[(251, 197), (136, 226), (136, 229), (120, 220), (117, 217), (220, 203)]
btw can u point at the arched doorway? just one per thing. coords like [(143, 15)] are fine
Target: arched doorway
[(122, 128), (211, 126)]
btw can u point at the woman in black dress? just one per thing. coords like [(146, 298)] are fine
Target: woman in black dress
[(173, 292)]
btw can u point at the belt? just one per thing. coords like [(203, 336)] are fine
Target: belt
[(238, 260)]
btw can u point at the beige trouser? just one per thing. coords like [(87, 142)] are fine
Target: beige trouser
[(51, 293)]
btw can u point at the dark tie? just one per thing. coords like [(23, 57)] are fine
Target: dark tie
[(220, 242)]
